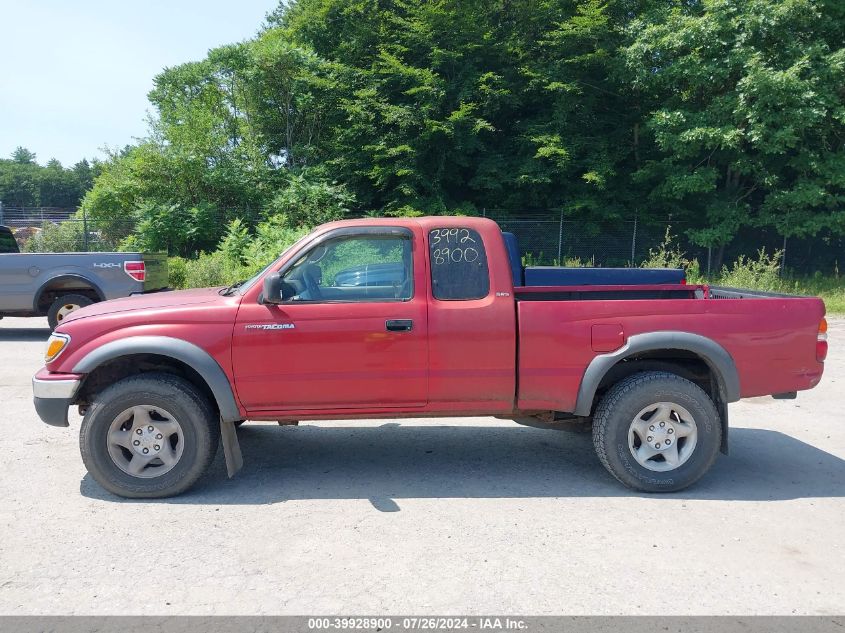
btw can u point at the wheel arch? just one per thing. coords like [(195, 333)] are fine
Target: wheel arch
[(196, 363), (681, 352), (52, 285)]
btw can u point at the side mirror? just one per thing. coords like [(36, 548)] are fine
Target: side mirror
[(272, 288)]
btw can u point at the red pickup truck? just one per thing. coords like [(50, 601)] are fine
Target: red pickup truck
[(391, 318)]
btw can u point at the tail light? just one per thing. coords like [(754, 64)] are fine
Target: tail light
[(136, 270), (684, 281), (821, 341)]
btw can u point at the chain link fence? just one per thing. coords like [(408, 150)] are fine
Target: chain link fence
[(56, 229), (550, 238), (546, 238)]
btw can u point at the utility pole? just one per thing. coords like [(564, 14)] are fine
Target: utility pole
[(783, 257), (85, 229), (560, 240), (634, 240)]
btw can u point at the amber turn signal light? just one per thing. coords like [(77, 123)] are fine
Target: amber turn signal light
[(56, 344)]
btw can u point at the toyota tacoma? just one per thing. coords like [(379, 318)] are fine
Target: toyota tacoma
[(423, 317)]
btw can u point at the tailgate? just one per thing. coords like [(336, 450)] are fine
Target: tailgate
[(156, 267)]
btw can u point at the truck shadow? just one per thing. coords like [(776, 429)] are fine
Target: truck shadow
[(389, 463), (18, 334)]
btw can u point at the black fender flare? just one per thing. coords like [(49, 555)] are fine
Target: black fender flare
[(175, 348), (66, 277), (717, 358)]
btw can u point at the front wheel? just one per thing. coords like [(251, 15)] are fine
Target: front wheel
[(149, 436), (657, 432)]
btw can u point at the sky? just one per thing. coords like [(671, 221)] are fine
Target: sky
[(74, 76)]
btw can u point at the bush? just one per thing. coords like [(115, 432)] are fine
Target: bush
[(307, 202), (762, 273), (174, 229), (236, 241), (405, 211), (206, 271), (177, 272), (67, 236), (238, 257), (271, 238), (669, 255), (577, 262)]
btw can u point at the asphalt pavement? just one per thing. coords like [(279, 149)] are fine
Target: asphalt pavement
[(448, 516)]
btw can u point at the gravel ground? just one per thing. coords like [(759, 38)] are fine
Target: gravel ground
[(428, 517)]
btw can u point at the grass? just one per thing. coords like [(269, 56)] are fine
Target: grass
[(830, 289), (762, 272)]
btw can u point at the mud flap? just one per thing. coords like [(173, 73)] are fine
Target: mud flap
[(231, 447), (723, 417)]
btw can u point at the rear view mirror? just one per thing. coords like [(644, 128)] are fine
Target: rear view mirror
[(272, 288)]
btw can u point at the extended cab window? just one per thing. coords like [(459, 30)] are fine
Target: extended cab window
[(353, 268), (458, 265)]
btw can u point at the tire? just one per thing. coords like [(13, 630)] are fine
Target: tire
[(163, 399), (639, 403), (64, 305)]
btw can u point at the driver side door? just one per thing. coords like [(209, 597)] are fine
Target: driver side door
[(352, 331)]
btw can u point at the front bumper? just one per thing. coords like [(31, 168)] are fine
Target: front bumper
[(53, 394)]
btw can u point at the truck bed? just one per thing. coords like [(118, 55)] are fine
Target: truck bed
[(609, 292), (29, 282), (561, 329)]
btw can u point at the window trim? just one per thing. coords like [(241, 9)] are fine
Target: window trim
[(351, 231)]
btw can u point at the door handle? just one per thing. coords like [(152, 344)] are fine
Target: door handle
[(399, 325)]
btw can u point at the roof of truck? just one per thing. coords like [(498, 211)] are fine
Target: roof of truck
[(428, 221)]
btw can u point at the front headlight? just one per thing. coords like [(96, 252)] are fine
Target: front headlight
[(56, 344)]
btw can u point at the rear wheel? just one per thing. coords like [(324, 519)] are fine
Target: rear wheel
[(149, 436), (64, 306), (657, 432)]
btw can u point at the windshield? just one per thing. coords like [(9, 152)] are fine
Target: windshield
[(242, 288)]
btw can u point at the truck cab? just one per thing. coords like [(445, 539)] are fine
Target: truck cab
[(439, 335)]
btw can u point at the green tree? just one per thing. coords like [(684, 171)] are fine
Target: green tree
[(306, 202), (723, 115), (57, 186), (25, 183), (23, 156), (19, 185), (746, 114), (84, 174)]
